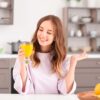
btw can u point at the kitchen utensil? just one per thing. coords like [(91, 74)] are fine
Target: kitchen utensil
[(72, 33), (86, 19), (79, 33), (93, 44), (93, 33), (75, 18), (4, 4), (15, 46)]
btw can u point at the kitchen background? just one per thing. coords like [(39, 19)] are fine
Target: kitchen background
[(24, 15)]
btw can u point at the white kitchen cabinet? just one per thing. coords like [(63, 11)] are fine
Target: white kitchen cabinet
[(6, 12), (4, 81), (5, 74), (87, 74)]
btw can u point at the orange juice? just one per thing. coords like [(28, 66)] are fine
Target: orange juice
[(28, 48)]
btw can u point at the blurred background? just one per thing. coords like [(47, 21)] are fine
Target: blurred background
[(81, 20)]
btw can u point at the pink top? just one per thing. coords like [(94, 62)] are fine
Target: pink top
[(40, 79)]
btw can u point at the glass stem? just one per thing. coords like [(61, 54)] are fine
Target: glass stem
[(26, 61)]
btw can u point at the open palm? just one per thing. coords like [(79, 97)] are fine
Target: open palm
[(80, 56)]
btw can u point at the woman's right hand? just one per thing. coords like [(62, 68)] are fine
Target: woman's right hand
[(21, 55), (23, 73)]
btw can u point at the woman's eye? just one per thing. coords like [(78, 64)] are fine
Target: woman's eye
[(40, 29), (49, 32)]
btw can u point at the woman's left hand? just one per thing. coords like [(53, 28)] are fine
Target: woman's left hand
[(80, 56), (71, 71), (77, 57)]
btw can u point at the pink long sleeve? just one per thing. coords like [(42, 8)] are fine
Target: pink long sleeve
[(62, 87), (29, 89), (40, 80)]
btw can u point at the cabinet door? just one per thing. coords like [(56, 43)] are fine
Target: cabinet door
[(87, 74), (5, 74), (4, 63), (4, 80), (4, 90), (89, 63), (87, 77)]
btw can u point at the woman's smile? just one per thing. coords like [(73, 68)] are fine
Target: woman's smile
[(45, 34)]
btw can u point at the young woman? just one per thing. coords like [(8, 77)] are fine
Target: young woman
[(49, 70)]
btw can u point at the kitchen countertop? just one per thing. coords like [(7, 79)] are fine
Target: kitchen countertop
[(8, 56), (38, 97), (15, 55), (89, 55)]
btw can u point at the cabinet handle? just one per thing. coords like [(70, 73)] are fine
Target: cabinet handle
[(98, 63)]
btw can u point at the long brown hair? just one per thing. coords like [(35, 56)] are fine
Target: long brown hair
[(58, 46)]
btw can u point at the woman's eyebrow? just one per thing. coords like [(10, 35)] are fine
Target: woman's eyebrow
[(41, 27), (50, 30)]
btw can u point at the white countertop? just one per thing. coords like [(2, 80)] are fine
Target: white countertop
[(8, 56), (89, 55), (38, 97), (15, 55)]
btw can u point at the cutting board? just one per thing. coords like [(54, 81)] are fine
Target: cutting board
[(87, 95)]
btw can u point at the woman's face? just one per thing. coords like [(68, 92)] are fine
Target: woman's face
[(45, 35)]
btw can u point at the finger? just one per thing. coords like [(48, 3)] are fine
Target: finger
[(20, 54), (84, 55), (20, 50)]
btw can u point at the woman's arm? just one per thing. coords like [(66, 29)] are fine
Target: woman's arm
[(70, 76), (18, 84), (23, 71)]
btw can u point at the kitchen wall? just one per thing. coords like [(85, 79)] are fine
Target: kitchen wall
[(26, 15)]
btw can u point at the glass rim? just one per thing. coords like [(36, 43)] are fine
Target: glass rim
[(26, 42)]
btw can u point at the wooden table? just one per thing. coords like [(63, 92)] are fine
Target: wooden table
[(87, 95)]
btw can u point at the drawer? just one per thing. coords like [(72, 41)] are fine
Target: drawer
[(4, 63), (87, 79), (87, 63), (80, 89), (4, 90), (87, 71), (4, 78)]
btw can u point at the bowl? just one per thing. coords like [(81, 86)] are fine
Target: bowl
[(86, 19), (4, 4)]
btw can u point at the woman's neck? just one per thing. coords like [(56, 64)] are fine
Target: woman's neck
[(45, 50)]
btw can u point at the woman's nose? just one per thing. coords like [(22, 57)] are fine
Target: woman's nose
[(43, 35)]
